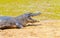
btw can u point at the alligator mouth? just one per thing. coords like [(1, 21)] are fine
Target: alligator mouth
[(34, 19)]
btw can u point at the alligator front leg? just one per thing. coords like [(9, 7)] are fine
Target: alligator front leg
[(18, 25)]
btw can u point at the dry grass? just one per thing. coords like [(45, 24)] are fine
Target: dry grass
[(47, 29)]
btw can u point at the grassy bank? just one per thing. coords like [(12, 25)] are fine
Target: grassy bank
[(50, 9)]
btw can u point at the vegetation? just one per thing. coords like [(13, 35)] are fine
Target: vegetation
[(50, 9)]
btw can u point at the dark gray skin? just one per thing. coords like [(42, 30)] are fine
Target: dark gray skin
[(7, 22), (19, 21)]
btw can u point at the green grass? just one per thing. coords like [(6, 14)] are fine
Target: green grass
[(50, 9)]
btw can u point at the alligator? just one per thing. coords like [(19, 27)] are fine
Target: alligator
[(18, 21)]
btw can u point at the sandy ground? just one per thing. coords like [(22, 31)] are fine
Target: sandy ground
[(44, 29)]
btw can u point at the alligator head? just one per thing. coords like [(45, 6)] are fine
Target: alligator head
[(29, 15)]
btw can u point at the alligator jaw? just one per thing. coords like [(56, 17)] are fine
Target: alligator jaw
[(35, 14)]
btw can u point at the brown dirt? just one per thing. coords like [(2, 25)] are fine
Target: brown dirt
[(46, 29)]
